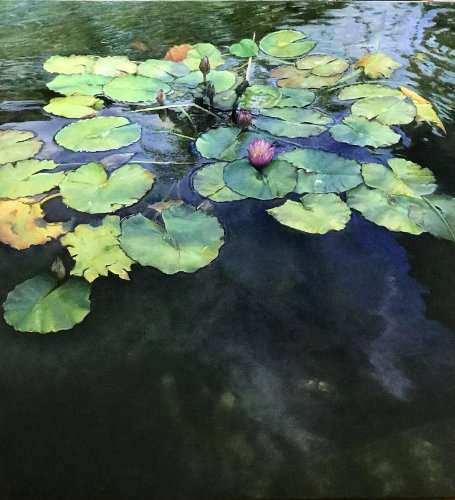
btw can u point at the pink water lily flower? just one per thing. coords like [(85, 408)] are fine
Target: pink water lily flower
[(260, 153)]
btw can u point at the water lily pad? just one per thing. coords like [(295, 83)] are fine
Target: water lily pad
[(222, 80), (377, 65), (225, 143), (437, 217), (388, 110), (162, 70), (88, 188), (295, 97), (201, 50), (75, 106), (276, 180), (402, 178), (113, 66), (322, 65), (287, 128), (99, 134), (97, 251), (425, 111), (298, 115), (22, 224), (360, 131), (391, 212), (18, 145), (22, 179), (292, 77), (134, 88), (83, 83), (314, 213), (69, 65), (285, 43), (323, 172), (189, 240), (245, 48), (260, 96), (42, 305), (208, 181), (366, 90)]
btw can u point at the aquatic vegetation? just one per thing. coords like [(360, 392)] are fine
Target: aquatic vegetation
[(246, 139)]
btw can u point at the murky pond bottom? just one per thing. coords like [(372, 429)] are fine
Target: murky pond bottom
[(294, 365)]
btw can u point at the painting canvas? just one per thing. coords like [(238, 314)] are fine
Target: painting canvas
[(227, 235)]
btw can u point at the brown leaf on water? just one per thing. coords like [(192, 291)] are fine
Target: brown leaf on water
[(22, 224), (177, 53), (163, 205), (377, 65), (139, 45)]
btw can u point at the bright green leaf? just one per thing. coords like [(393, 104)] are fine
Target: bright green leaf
[(285, 43), (84, 84), (134, 88), (208, 181), (245, 48), (75, 106), (18, 145), (388, 110), (190, 239)]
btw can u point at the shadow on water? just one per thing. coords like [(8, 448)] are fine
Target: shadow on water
[(293, 365)]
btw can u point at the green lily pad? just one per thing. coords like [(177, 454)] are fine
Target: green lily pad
[(83, 83), (298, 115), (245, 48), (402, 178), (377, 65), (285, 43), (113, 66), (189, 240), (22, 178), (69, 65), (208, 181), (388, 110), (287, 128), (88, 188), (42, 305), (315, 213), (260, 96), (292, 77), (437, 217), (75, 106), (360, 131), (295, 97), (134, 88), (97, 251), (201, 50), (276, 180), (222, 80), (323, 172), (391, 212), (162, 70), (22, 224), (17, 145), (99, 134), (322, 65), (225, 143), (367, 90)]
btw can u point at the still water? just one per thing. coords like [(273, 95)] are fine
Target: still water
[(294, 365)]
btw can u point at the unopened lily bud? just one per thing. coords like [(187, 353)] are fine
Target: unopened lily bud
[(161, 97), (243, 119), (58, 269), (204, 65)]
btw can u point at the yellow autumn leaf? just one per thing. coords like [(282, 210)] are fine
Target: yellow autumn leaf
[(22, 224), (377, 65), (425, 111)]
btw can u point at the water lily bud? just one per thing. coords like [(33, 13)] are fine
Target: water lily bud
[(161, 97), (260, 153), (204, 66), (243, 119), (58, 269)]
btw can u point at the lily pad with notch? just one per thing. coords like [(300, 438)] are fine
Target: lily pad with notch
[(81, 83), (188, 240), (286, 128), (388, 110), (74, 106), (314, 213), (88, 189), (222, 80), (18, 145), (377, 65), (367, 90), (201, 50), (285, 43), (162, 70), (208, 181), (134, 88), (245, 48), (292, 77)]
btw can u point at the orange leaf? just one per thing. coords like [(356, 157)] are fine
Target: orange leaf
[(178, 53), (415, 97), (425, 111)]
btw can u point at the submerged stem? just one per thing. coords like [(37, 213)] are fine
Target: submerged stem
[(175, 133)]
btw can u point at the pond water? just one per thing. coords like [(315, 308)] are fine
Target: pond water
[(294, 365)]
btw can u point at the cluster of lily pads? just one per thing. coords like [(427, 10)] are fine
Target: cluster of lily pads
[(319, 188)]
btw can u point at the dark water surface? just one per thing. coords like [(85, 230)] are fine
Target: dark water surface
[(294, 365)]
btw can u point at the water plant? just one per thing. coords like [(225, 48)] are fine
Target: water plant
[(251, 140)]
